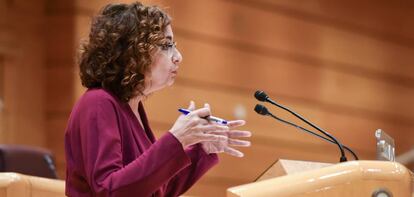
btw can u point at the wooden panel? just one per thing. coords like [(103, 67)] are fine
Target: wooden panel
[(3, 32), (59, 85), (95, 6), (60, 45), (60, 69), (2, 110), (293, 38), (3, 48), (385, 20), (56, 125), (1, 80), (3, 8), (28, 8), (354, 94), (213, 186), (23, 75)]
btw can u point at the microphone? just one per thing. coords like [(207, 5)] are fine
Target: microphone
[(262, 110), (262, 96)]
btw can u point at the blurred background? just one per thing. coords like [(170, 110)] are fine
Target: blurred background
[(345, 65)]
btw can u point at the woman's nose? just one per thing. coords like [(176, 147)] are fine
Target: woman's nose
[(177, 57)]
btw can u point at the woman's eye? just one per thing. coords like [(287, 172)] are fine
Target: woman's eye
[(168, 46)]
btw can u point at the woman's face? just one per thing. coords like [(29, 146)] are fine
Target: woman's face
[(164, 67)]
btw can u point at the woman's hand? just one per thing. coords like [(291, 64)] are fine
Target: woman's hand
[(224, 146), (192, 128)]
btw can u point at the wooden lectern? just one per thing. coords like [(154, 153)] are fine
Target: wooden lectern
[(348, 179)]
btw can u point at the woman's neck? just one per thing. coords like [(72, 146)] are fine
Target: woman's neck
[(134, 103)]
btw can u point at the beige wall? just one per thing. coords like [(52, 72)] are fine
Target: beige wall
[(345, 65)]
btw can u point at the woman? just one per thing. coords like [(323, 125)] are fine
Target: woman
[(110, 148)]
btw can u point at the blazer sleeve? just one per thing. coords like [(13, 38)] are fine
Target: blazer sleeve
[(201, 162), (102, 157)]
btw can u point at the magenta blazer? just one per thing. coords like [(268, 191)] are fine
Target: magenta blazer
[(108, 153)]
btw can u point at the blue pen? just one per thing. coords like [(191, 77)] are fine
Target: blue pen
[(210, 118)]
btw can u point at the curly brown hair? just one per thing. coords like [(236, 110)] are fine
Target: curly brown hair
[(119, 51)]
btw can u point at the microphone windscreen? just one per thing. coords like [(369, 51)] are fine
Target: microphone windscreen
[(260, 109), (260, 95)]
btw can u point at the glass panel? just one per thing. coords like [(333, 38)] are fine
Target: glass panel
[(385, 146)]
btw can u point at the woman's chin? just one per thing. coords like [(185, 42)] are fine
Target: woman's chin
[(171, 80), (170, 83)]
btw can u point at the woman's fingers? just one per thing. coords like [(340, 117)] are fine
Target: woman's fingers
[(220, 131), (211, 137), (236, 123), (202, 112), (238, 133), (213, 129), (233, 152), (235, 142), (206, 105), (194, 121), (191, 107), (232, 133), (201, 121), (194, 118)]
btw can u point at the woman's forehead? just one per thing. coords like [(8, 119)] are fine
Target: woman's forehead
[(168, 33)]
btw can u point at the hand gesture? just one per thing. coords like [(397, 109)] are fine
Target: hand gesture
[(193, 128), (231, 134)]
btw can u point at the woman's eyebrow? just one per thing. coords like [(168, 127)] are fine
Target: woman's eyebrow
[(169, 37)]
